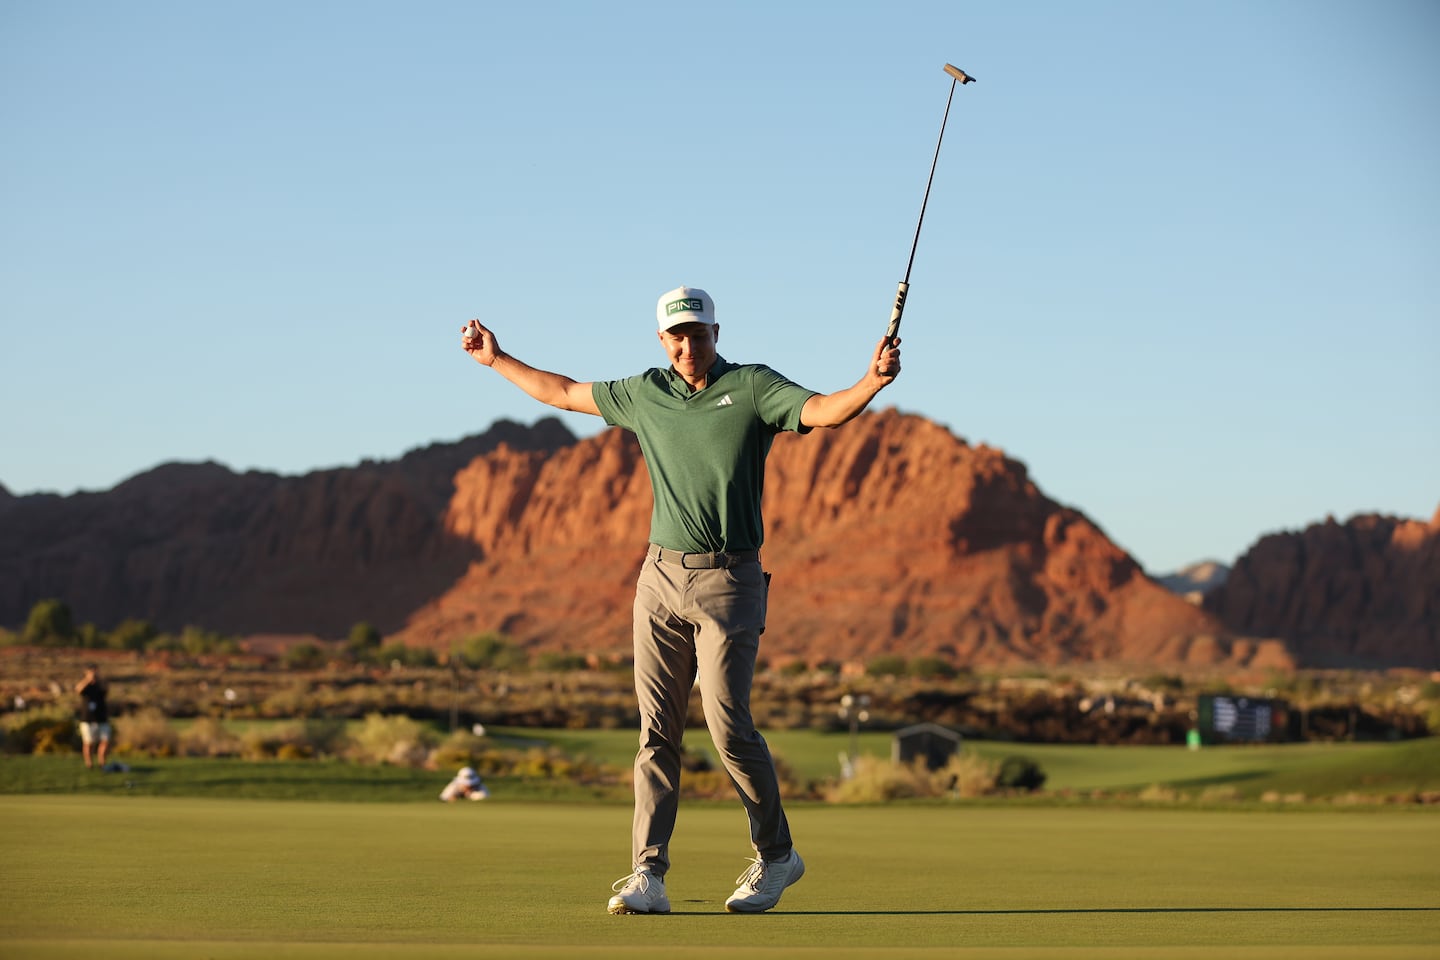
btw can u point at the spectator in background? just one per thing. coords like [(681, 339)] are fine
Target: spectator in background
[(94, 716)]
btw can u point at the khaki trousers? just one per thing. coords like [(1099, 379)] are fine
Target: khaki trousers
[(707, 621)]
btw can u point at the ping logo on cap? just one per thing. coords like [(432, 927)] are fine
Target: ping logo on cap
[(684, 304)]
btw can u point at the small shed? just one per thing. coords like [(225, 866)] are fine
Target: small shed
[(930, 741)]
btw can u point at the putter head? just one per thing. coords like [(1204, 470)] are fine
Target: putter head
[(958, 74)]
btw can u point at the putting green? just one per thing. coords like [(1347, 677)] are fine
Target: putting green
[(160, 877)]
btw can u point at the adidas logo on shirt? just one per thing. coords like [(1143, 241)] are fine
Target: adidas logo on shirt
[(725, 401)]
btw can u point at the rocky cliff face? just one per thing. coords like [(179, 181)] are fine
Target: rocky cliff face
[(889, 535), (250, 553), (1362, 593)]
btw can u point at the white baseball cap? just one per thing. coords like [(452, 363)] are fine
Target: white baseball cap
[(684, 305)]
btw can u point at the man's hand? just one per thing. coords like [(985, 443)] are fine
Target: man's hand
[(558, 391), (834, 409), (480, 343), (885, 364)]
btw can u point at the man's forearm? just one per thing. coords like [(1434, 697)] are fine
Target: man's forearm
[(549, 388), (840, 407)]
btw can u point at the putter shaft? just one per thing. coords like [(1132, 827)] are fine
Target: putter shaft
[(898, 310)]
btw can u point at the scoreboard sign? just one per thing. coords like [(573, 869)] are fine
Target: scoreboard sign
[(1224, 718)]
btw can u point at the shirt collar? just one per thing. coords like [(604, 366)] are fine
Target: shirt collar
[(717, 369)]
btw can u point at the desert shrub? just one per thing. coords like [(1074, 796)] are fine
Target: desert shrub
[(207, 737), (706, 785), (460, 748), (491, 651), (967, 774), (55, 738), (304, 656), (931, 668), (132, 635), (873, 780), (787, 713), (49, 729), (164, 643), (364, 636), (363, 643), (559, 661), (396, 739), (292, 700), (703, 779), (1020, 773), (1223, 793), (326, 735), (878, 781), (554, 764), (419, 657), (49, 624), (197, 641), (1156, 793), (537, 764), (581, 715), (1275, 796), (696, 761), (261, 743), (147, 732), (297, 739), (886, 665)]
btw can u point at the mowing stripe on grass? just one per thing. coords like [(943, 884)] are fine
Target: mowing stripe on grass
[(318, 877)]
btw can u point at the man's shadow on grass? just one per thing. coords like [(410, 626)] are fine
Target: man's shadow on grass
[(1061, 911)]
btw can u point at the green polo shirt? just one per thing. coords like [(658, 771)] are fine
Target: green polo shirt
[(705, 450)]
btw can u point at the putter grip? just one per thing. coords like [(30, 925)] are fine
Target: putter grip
[(896, 312)]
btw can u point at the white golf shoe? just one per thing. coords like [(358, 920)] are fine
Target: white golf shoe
[(761, 884), (641, 892)]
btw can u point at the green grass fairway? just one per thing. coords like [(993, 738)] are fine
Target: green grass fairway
[(158, 877)]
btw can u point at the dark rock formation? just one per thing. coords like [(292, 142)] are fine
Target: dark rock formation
[(198, 544), (1363, 593)]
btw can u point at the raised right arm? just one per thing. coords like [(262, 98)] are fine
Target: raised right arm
[(558, 391)]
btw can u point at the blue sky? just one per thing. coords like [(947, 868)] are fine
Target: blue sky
[(1182, 259)]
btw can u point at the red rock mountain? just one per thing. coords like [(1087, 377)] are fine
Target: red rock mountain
[(888, 535), (1363, 593), (250, 553)]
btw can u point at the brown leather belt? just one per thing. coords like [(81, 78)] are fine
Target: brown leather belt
[(703, 561)]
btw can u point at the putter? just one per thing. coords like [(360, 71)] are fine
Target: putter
[(958, 76)]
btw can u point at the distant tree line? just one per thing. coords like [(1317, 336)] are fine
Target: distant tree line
[(51, 624)]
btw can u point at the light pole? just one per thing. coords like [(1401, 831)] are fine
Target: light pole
[(855, 710)]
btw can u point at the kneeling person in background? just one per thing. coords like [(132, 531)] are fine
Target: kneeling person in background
[(467, 785)]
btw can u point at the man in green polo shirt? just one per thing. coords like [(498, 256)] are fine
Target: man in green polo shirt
[(705, 426)]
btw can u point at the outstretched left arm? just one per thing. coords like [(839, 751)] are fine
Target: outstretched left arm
[(842, 406)]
